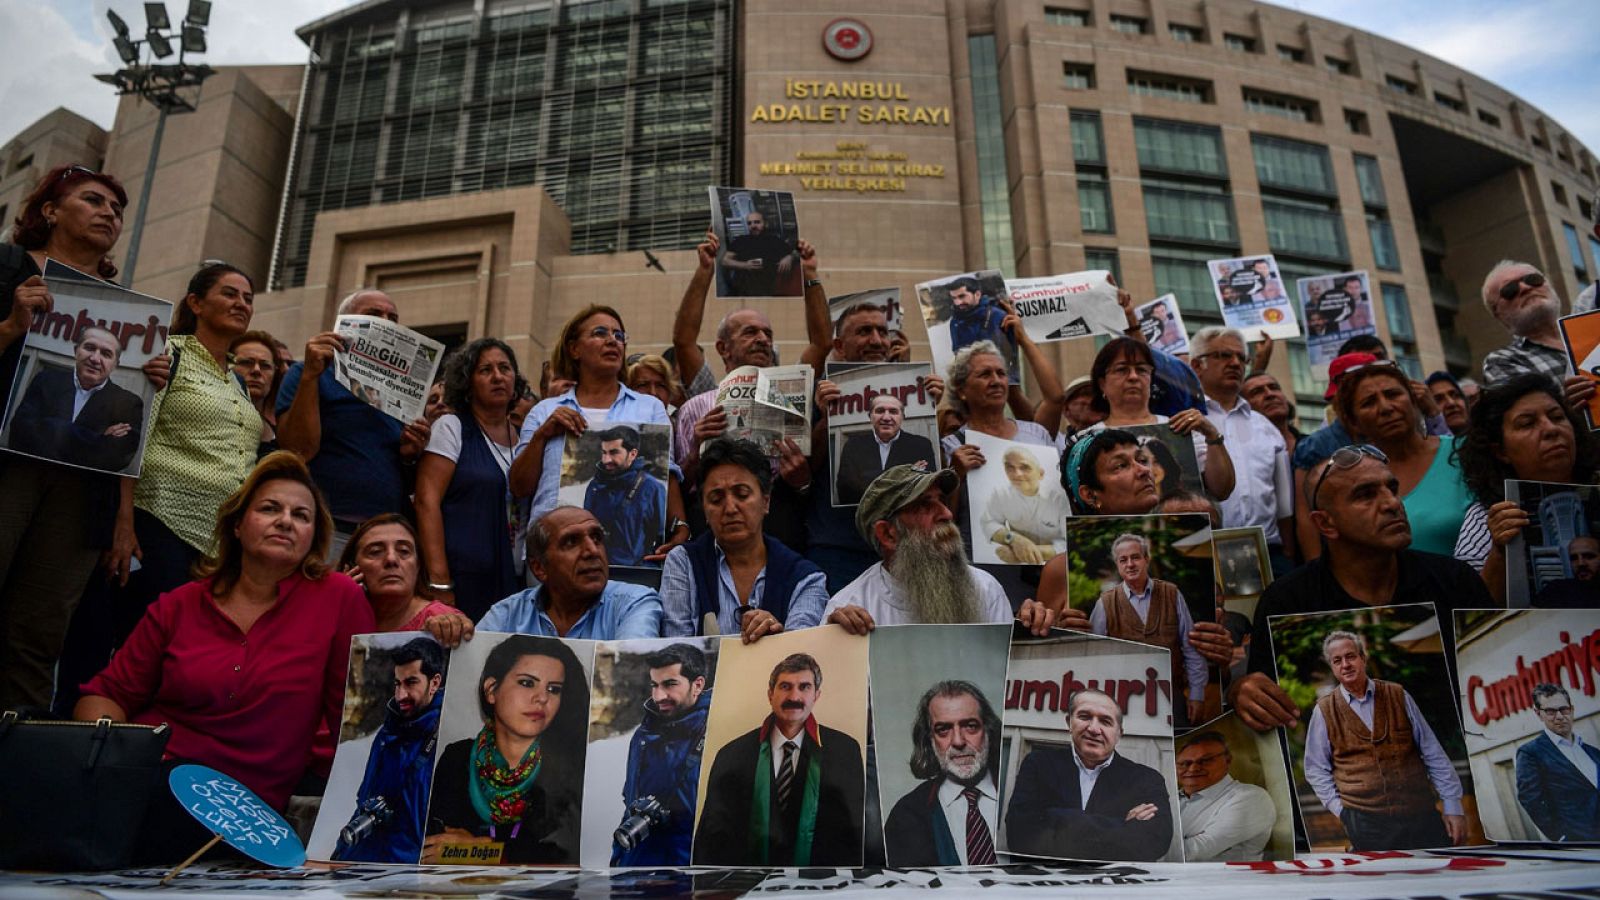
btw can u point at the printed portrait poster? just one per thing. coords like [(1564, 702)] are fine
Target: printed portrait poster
[(1252, 297), (1555, 561), (95, 338), (964, 309), (618, 471), (887, 299), (1581, 333), (1172, 456), (1111, 702), (1016, 505), (1236, 794), (937, 693), (1148, 579), (1063, 307), (508, 776), (1244, 568), (648, 707), (1161, 322), (375, 807), (1378, 746), (799, 697), (1520, 696), (1336, 308), (879, 403), (758, 237)]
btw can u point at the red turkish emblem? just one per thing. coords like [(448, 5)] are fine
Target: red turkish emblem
[(847, 40)]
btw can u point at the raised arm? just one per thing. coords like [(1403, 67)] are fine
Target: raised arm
[(692, 311), (819, 324), (1051, 393), (300, 421)]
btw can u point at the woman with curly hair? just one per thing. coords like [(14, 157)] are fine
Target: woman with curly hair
[(519, 780), (465, 516), (1521, 429)]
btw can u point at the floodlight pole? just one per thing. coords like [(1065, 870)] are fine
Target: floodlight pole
[(144, 199)]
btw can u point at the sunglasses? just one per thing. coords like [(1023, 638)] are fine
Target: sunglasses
[(1511, 289), (70, 171), (1344, 458)]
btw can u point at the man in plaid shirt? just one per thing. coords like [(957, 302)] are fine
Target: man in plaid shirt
[(1521, 297)]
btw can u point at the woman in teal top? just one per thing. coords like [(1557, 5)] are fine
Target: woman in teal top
[(1376, 404)]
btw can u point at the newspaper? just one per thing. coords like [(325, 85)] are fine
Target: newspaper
[(388, 366), (1062, 307), (768, 405)]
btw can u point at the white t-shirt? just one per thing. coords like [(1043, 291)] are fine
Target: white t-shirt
[(445, 441), (884, 599)]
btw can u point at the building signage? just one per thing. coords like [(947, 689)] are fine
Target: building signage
[(852, 166), (877, 102), (1569, 660)]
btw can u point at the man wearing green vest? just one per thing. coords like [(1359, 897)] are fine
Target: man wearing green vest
[(788, 793)]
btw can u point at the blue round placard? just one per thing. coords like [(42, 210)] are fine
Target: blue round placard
[(233, 811)]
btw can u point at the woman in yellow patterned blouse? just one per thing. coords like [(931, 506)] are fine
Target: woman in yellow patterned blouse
[(203, 437)]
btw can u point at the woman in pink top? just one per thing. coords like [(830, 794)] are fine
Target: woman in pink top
[(384, 556), (246, 663)]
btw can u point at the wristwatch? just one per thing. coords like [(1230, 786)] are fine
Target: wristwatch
[(674, 524), (813, 282), (1217, 442)]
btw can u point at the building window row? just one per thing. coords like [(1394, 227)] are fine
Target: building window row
[(1295, 109), (1075, 18), (1170, 87)]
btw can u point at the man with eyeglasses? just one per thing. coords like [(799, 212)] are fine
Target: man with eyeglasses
[(1263, 491), (1524, 301), (1558, 772), (1223, 820), (949, 818), (1367, 560), (357, 453)]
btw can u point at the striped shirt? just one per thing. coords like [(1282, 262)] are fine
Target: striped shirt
[(204, 432), (1474, 543)]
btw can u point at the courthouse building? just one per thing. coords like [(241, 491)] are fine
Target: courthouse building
[(497, 164)]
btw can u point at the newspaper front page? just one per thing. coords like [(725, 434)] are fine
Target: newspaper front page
[(768, 405), (388, 366)]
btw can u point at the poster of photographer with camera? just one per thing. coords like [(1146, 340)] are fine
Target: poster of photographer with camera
[(647, 731)]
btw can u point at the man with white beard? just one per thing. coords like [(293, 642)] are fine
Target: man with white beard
[(1524, 301), (949, 818), (923, 577)]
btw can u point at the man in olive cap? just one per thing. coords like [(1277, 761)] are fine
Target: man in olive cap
[(924, 576)]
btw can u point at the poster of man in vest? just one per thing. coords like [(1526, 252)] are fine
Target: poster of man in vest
[(1380, 755), (377, 796), (1149, 579), (618, 471)]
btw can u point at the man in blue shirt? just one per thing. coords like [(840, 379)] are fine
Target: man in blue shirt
[(575, 598), (357, 454)]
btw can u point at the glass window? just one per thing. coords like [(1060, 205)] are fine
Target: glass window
[(1575, 247), (1488, 118), (1384, 252), (1185, 34), (1295, 109), (1094, 203), (1183, 273), (1169, 87), (1336, 65), (1398, 310), (1305, 383), (1304, 229), (1189, 215), (1088, 144), (594, 56), (1295, 165), (1449, 102), (1594, 247), (1291, 54), (1356, 121), (1077, 18), (1103, 258), (1077, 76), (592, 10), (1239, 42), (1179, 147), (994, 193), (1400, 85), (1559, 192), (1130, 24), (1371, 180)]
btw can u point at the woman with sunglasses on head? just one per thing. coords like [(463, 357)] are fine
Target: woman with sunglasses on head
[(203, 436), (53, 519), (1123, 373), (1376, 404), (590, 352), (465, 516), (1524, 430)]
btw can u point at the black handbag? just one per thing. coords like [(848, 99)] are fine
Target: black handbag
[(73, 794)]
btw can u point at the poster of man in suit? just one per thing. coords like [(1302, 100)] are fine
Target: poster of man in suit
[(884, 417), (80, 398)]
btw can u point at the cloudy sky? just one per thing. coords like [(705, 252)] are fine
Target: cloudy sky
[(1546, 51)]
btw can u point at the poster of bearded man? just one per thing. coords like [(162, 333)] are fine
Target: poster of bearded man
[(618, 472)]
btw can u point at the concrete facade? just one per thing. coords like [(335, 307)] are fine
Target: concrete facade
[(61, 137)]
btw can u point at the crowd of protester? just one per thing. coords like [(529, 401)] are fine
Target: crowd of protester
[(277, 514)]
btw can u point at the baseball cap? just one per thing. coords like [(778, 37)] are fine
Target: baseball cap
[(1343, 364), (1081, 383), (899, 487)]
